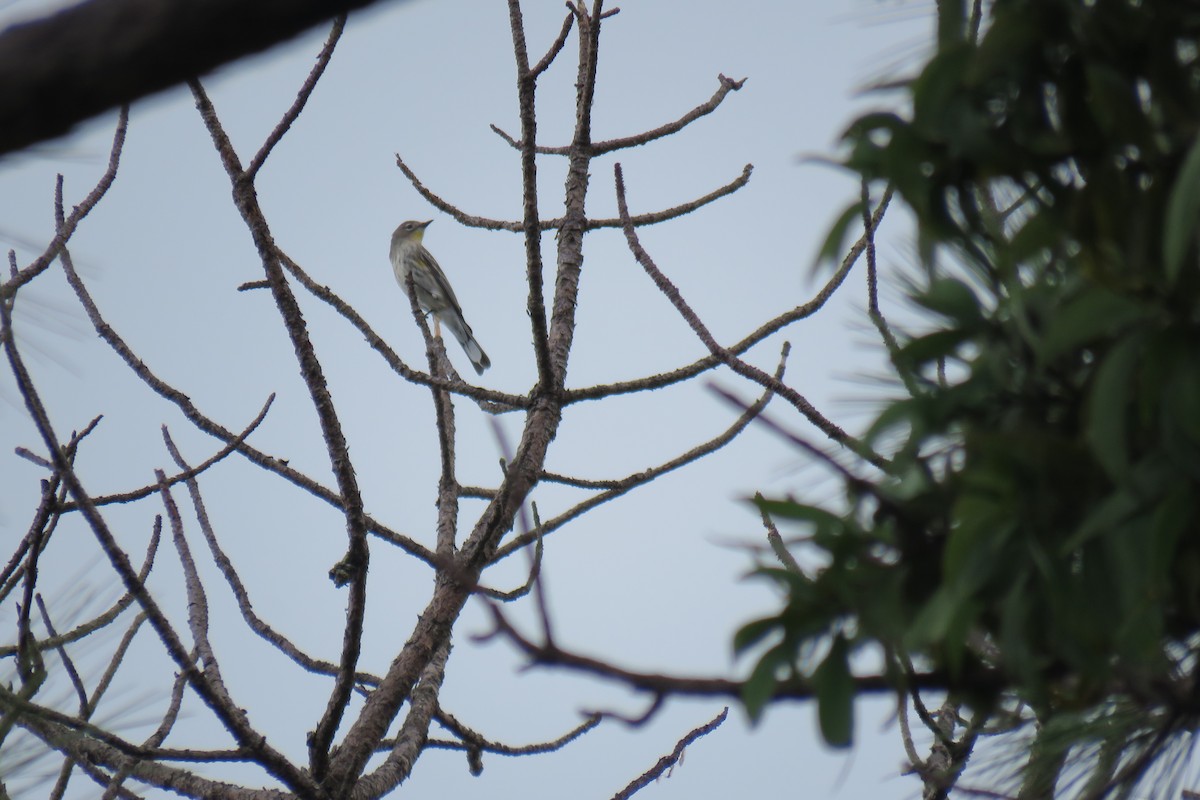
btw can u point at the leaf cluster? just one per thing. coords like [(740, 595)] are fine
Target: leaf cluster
[(1035, 536)]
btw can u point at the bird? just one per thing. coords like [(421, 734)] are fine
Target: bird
[(434, 295)]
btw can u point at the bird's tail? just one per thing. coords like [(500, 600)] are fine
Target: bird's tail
[(462, 331)]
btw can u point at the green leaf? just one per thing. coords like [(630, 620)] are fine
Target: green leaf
[(1095, 313), (930, 347), (758, 689), (1107, 514), (935, 618), (1183, 213), (952, 298), (909, 413), (938, 93), (833, 248), (1108, 406), (834, 685), (754, 632), (790, 509), (1042, 230)]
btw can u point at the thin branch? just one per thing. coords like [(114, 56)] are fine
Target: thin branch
[(473, 740), (526, 90), (778, 546), (910, 748), (114, 663), (657, 702), (186, 475), (725, 86), (668, 762), (156, 738), (240, 594), (555, 48), (753, 373), (306, 90), (557, 223), (90, 703), (272, 760), (614, 489), (100, 748), (357, 552), (106, 618), (43, 519), (197, 605), (68, 664), (792, 689), (67, 228), (766, 329), (533, 580), (873, 311), (204, 423), (487, 399)]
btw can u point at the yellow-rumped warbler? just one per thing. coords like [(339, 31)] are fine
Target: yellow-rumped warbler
[(434, 294)]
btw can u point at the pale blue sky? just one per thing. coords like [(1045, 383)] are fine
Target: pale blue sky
[(653, 581)]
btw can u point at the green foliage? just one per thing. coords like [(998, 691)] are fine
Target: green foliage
[(1045, 497)]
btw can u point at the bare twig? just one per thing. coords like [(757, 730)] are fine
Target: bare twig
[(725, 86), (357, 553), (556, 223), (678, 685), (240, 594), (104, 619), (186, 475), (616, 488), (472, 740), (306, 90), (67, 227), (489, 400), (555, 48), (766, 329), (668, 761), (526, 90), (270, 759), (68, 664), (778, 546), (753, 373)]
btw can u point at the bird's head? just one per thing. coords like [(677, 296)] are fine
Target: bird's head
[(411, 231)]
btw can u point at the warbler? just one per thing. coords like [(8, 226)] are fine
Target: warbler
[(434, 295)]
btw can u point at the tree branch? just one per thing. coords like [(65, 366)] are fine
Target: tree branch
[(67, 67)]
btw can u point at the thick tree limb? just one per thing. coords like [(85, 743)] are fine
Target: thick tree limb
[(68, 67)]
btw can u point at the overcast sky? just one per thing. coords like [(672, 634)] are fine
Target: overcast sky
[(654, 581)]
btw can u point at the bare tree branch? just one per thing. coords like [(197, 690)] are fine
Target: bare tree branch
[(556, 223), (668, 761), (530, 226), (683, 686), (21, 277), (726, 85), (616, 488), (357, 553), (488, 399), (806, 408), (472, 740), (72, 65), (306, 90), (271, 759), (240, 594)]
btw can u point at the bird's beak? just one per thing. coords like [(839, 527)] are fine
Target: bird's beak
[(425, 224)]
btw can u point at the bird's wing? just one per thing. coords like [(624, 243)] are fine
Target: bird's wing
[(433, 282)]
